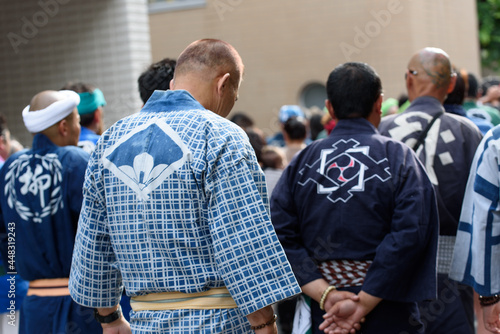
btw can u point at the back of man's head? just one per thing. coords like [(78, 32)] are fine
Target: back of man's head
[(54, 114), (208, 59), (295, 128), (352, 89), (257, 141), (489, 82), (473, 90), (91, 99), (430, 74), (242, 120), (44, 99), (157, 77), (79, 87), (273, 157)]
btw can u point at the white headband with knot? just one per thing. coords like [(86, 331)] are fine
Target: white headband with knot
[(39, 120)]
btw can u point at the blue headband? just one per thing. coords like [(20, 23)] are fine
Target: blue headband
[(89, 102)]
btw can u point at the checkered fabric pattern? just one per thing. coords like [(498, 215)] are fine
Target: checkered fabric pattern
[(477, 247), (189, 322), (205, 225), (445, 253), (344, 273)]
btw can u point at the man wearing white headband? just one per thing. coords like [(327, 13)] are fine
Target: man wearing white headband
[(39, 214)]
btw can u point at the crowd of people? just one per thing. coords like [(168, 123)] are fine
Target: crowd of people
[(372, 215)]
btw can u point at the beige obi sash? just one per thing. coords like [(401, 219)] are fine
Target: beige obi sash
[(215, 298)]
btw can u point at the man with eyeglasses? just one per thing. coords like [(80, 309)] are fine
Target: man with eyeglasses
[(445, 143)]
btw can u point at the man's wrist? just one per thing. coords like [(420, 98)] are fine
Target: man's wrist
[(107, 315), (489, 300), (368, 302), (324, 295), (262, 316), (264, 325)]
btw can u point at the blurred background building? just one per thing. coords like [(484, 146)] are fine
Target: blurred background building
[(288, 46)]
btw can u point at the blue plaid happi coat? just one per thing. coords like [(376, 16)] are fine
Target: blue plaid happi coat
[(174, 200)]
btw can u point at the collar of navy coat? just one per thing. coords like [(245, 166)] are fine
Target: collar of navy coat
[(427, 104), (358, 125), (41, 141)]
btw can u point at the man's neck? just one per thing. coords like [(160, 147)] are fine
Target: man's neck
[(430, 91), (295, 142), (197, 89)]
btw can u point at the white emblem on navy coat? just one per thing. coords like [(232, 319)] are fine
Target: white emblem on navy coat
[(43, 181), (347, 167), (145, 157)]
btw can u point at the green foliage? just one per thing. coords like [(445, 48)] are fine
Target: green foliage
[(489, 32)]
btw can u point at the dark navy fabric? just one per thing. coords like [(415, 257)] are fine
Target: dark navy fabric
[(43, 197), (361, 196), (56, 315), (451, 313), (446, 154), (40, 207)]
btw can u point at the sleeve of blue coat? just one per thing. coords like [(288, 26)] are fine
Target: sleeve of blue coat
[(404, 267), (94, 281), (249, 256), (286, 222)]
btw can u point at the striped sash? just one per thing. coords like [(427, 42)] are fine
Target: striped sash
[(215, 298)]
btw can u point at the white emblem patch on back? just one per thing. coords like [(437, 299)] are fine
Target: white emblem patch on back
[(344, 169), (145, 157), (44, 178)]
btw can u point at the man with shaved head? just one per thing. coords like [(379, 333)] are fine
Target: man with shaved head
[(176, 211), (41, 202), (445, 144)]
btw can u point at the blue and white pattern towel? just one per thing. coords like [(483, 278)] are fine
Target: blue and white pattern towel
[(477, 249)]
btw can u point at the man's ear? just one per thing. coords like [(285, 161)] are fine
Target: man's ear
[(62, 128), (3, 144), (329, 107), (222, 82), (98, 115)]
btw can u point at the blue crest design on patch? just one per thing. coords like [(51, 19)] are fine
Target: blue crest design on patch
[(145, 157)]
